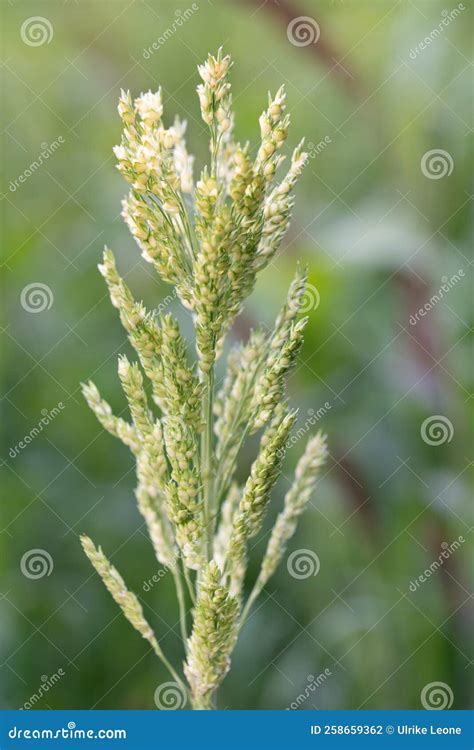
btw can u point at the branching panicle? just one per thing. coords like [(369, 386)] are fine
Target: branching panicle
[(210, 240), (114, 582), (213, 637)]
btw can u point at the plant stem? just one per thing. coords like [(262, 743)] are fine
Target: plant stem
[(182, 605), (169, 667), (207, 459), (203, 703), (248, 605), (221, 482), (224, 481), (189, 584)]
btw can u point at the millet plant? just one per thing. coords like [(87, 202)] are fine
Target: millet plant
[(209, 240)]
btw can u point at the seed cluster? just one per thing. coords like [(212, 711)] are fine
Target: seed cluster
[(209, 238)]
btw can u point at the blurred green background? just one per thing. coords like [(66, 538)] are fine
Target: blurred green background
[(380, 235)]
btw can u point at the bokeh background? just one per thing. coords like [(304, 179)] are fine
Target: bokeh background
[(381, 229)]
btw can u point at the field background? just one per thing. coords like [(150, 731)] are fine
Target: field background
[(380, 236)]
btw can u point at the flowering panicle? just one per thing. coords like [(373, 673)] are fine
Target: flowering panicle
[(222, 537), (143, 331), (234, 402), (152, 466), (132, 384), (256, 376), (289, 311), (211, 284), (270, 388), (264, 473), (183, 390), (213, 637), (277, 210), (154, 160), (253, 504), (210, 239), (158, 234), (183, 491), (215, 99), (296, 500), (242, 172), (114, 582), (273, 130), (159, 528), (115, 425)]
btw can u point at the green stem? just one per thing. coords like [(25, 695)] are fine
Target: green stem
[(221, 482), (169, 667), (249, 604), (214, 143), (189, 584), (224, 481), (203, 702), (182, 605), (207, 460)]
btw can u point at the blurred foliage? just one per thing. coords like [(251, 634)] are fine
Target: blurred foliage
[(378, 236)]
